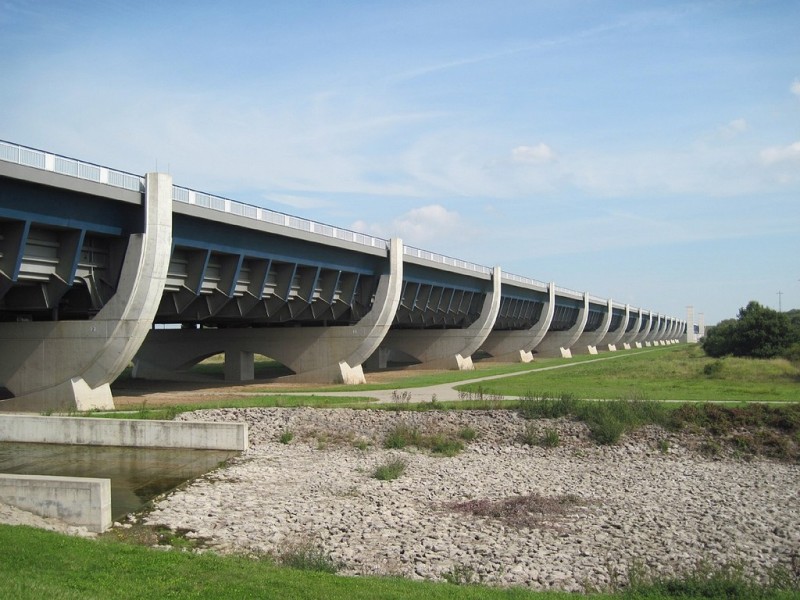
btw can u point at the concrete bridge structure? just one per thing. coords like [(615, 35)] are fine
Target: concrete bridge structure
[(100, 268)]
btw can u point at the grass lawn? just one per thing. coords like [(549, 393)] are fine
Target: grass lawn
[(37, 564), (671, 373)]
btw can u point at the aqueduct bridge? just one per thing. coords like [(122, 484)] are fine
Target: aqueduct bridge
[(93, 260)]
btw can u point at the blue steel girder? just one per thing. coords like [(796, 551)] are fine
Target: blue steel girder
[(62, 250), (617, 315), (258, 278), (595, 317), (565, 313), (518, 313)]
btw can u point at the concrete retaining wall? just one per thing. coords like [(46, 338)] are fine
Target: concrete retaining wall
[(81, 501), (123, 432)]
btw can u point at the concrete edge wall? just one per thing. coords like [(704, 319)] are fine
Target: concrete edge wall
[(123, 432), (80, 501)]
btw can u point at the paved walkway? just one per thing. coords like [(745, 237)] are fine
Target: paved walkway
[(444, 392)]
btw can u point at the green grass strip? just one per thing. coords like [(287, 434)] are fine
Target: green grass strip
[(37, 564)]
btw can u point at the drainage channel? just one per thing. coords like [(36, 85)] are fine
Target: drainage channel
[(137, 474)]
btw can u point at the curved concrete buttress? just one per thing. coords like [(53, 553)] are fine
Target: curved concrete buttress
[(70, 364), (450, 348), (315, 354), (517, 346), (642, 335), (559, 343), (655, 330), (612, 337), (588, 341), (628, 336)]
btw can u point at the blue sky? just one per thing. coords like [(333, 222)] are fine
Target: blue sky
[(645, 151)]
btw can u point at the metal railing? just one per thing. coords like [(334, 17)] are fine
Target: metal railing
[(568, 291), (524, 280), (445, 260), (46, 161), (232, 207)]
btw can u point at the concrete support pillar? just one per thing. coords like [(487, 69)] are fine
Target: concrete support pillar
[(640, 337), (701, 326), (691, 336), (588, 341), (613, 337), (450, 348), (239, 365), (70, 364), (628, 337), (517, 346), (559, 343), (315, 354)]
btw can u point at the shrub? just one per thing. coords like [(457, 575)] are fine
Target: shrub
[(306, 557), (285, 436), (467, 434), (543, 406), (389, 471), (550, 439), (401, 436), (444, 446)]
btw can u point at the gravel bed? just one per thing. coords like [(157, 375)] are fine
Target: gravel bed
[(637, 504)]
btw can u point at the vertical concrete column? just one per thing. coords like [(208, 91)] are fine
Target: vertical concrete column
[(70, 364), (701, 326), (691, 336)]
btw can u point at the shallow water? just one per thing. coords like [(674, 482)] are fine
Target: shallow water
[(137, 474)]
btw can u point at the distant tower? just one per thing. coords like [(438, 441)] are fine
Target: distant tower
[(701, 326), (691, 338)]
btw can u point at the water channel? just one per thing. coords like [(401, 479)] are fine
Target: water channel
[(137, 474)]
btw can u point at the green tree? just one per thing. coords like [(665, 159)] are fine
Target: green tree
[(758, 331)]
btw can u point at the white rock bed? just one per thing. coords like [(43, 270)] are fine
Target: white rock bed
[(664, 511)]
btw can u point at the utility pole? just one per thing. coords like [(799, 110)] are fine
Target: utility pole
[(780, 295)]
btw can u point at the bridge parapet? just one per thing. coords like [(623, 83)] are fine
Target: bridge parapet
[(47, 161)]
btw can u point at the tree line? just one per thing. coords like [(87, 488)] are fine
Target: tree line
[(757, 332)]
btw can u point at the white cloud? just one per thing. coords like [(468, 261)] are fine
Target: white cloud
[(539, 153), (795, 87), (778, 154), (431, 224), (734, 128)]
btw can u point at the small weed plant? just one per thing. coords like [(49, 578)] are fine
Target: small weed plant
[(467, 434), (441, 444), (285, 436), (307, 557), (390, 470)]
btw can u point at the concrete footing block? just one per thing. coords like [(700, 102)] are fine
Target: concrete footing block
[(566, 353), (79, 501), (626, 346), (612, 347)]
